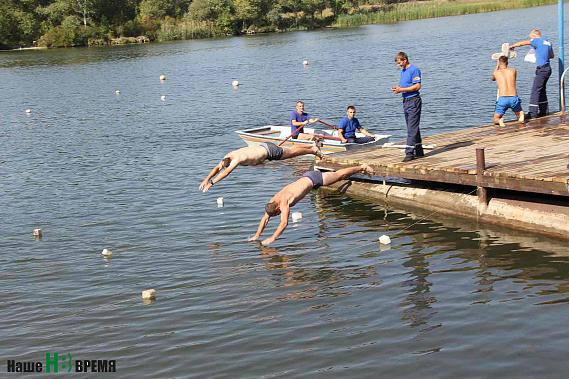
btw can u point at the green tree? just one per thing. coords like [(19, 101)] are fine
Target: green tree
[(252, 12), (157, 9), (19, 24), (209, 10)]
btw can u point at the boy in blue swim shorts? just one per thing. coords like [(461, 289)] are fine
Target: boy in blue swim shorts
[(505, 78), (281, 203)]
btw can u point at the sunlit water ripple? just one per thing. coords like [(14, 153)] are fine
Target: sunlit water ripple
[(95, 170)]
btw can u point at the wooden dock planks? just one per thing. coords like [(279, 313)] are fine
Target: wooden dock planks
[(531, 157)]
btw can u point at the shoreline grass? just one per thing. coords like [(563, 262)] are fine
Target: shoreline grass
[(388, 14)]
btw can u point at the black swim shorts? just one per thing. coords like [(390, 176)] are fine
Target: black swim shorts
[(316, 177), (274, 152)]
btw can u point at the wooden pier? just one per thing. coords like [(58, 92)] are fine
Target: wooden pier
[(531, 157), (522, 160)]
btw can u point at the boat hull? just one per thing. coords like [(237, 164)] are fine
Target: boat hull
[(330, 141)]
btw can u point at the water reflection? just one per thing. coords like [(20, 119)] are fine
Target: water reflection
[(445, 245)]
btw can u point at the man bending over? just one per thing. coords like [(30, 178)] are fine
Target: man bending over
[(505, 78), (294, 192), (254, 155)]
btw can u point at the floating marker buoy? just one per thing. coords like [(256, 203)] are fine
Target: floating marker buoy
[(220, 201), (235, 83), (37, 232), (385, 240), (117, 92), (149, 294), (163, 97), (296, 216), (28, 111), (162, 77), (107, 253), (305, 63)]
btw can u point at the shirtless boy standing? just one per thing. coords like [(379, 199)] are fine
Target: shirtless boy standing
[(505, 78)]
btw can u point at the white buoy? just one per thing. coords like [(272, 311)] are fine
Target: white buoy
[(296, 216), (162, 77), (385, 240), (305, 63), (28, 111), (107, 253), (37, 232), (220, 202), (117, 92), (149, 294), (163, 97), (235, 83)]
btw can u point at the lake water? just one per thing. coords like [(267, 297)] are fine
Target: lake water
[(93, 169)]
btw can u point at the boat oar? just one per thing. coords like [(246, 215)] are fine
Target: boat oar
[(325, 123), (300, 127)]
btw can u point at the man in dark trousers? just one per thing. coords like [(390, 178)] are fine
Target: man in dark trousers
[(409, 86), (543, 52)]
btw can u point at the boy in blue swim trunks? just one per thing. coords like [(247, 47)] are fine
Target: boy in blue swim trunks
[(505, 78), (294, 192)]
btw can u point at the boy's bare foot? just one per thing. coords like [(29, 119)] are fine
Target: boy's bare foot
[(367, 170), (316, 149), (502, 122), (522, 118)]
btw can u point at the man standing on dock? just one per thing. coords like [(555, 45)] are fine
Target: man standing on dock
[(297, 120), (281, 203), (409, 86), (538, 104), (505, 78)]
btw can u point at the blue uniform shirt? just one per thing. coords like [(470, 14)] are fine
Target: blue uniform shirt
[(410, 76), (300, 118), (542, 50), (349, 126)]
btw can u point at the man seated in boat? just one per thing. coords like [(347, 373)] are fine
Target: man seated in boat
[(348, 126), (294, 192), (297, 120), (505, 78), (254, 155)]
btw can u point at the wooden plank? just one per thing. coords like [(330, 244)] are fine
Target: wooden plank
[(531, 157)]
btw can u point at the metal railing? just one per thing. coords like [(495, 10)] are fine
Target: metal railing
[(561, 94)]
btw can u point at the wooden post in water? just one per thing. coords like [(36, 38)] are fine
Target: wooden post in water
[(480, 167)]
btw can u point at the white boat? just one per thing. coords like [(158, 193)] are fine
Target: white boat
[(330, 140)]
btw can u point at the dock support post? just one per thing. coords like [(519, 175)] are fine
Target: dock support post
[(480, 167)]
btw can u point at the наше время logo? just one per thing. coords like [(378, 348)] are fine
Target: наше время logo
[(63, 362)]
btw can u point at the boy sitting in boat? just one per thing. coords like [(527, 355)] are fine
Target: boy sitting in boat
[(254, 155), (348, 126), (505, 78), (294, 192), (297, 121)]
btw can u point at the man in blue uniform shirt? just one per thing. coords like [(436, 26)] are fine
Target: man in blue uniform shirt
[(409, 86), (543, 52), (348, 126), (298, 119)]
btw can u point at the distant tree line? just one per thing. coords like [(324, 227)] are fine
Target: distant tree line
[(51, 23)]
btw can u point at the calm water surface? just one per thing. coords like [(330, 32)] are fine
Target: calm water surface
[(97, 170)]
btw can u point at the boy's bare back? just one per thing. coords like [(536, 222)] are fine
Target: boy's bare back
[(506, 81)]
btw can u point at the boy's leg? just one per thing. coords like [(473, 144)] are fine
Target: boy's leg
[(499, 119), (296, 150), (332, 177)]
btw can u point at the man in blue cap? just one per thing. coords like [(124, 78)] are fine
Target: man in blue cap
[(543, 52)]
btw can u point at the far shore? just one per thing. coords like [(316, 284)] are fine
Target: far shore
[(171, 29)]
